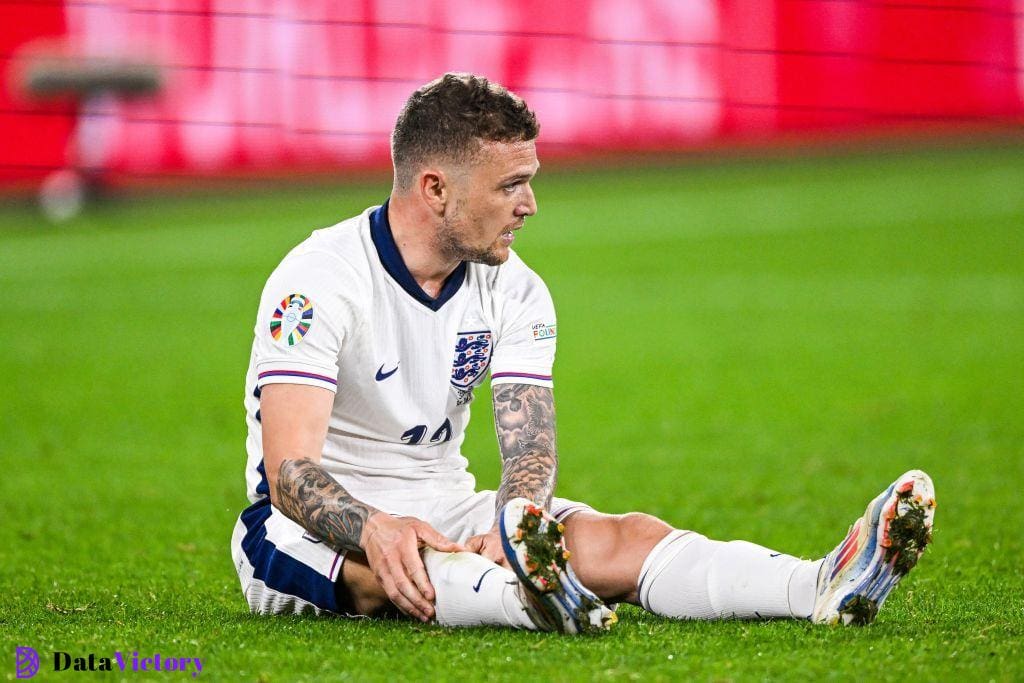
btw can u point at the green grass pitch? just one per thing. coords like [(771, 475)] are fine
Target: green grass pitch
[(751, 349)]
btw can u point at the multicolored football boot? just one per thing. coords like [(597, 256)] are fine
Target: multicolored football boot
[(880, 548), (554, 598)]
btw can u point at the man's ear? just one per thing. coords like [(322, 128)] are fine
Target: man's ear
[(434, 189)]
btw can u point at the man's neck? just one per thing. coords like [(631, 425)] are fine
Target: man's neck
[(413, 231)]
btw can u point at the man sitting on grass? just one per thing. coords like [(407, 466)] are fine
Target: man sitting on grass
[(371, 337)]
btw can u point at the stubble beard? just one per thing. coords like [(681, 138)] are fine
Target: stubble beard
[(450, 245)]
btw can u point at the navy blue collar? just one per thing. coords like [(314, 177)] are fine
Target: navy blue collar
[(391, 259)]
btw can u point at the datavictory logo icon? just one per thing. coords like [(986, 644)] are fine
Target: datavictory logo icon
[(26, 662)]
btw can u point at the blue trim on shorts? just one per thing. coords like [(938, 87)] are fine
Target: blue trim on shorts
[(262, 488), (280, 571)]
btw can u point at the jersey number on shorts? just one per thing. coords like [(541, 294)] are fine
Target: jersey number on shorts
[(415, 435)]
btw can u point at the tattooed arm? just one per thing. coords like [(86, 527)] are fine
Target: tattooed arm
[(524, 416), (294, 426), (307, 494)]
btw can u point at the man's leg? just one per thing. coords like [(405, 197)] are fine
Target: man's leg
[(473, 591), (593, 537), (638, 558), (361, 590), (283, 570)]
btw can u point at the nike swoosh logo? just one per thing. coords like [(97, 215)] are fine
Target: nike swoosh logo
[(476, 588), (381, 375), (774, 554)]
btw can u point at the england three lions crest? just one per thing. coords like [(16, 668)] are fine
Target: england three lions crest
[(472, 356)]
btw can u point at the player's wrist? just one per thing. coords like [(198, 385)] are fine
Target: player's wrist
[(377, 521)]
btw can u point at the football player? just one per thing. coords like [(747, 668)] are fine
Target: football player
[(370, 339)]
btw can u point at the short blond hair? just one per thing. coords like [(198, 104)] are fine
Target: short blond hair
[(448, 118)]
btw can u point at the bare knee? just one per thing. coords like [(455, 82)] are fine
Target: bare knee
[(640, 530), (631, 533), (609, 550)]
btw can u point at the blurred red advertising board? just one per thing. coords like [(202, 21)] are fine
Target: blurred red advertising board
[(273, 86)]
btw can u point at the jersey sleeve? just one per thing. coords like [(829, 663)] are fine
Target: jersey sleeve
[(524, 351), (302, 322)]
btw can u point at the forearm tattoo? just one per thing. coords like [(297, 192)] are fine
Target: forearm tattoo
[(524, 416), (311, 497)]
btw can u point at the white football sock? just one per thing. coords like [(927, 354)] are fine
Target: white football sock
[(473, 591), (688, 576)]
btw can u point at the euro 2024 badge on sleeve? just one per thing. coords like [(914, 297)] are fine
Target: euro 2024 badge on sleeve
[(292, 319), (472, 356)]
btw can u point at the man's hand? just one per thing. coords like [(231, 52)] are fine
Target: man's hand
[(489, 545), (392, 546)]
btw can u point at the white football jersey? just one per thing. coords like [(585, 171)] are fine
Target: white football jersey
[(343, 312)]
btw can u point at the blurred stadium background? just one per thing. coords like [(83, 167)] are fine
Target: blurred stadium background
[(283, 87), (785, 239)]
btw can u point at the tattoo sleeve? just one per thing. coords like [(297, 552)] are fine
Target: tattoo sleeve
[(524, 416), (310, 496)]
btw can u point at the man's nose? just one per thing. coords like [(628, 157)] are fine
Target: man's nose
[(528, 206)]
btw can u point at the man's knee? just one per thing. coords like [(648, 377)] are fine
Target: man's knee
[(626, 538), (616, 533), (641, 528), (609, 550)]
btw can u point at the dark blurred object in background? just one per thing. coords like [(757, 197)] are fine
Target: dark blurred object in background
[(90, 83)]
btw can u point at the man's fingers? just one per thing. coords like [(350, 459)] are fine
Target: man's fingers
[(418, 573), (475, 544), (400, 570), (497, 556), (433, 538), (488, 545), (420, 608), (494, 553), (412, 565), (396, 597)]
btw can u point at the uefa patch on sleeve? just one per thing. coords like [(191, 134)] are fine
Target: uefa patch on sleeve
[(292, 319), (542, 331)]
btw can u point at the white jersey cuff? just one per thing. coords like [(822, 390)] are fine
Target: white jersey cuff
[(539, 379), (307, 375)]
